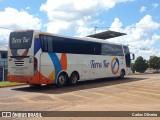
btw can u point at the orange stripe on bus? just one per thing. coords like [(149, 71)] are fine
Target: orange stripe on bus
[(63, 61), (52, 75)]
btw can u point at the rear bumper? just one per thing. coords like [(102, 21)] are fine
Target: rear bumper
[(34, 79)]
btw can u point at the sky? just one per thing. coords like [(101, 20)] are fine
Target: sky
[(139, 19)]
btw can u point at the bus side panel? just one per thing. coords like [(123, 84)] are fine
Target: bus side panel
[(95, 66), (51, 64), (106, 66), (54, 63), (76, 62), (88, 66), (99, 66), (47, 71)]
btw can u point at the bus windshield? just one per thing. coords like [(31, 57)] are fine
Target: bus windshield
[(21, 39)]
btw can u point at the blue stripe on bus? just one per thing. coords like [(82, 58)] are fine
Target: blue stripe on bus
[(57, 65), (37, 45)]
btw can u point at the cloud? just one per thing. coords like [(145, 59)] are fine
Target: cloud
[(74, 15), (4, 36), (73, 9), (116, 25), (12, 18), (155, 5), (140, 37), (143, 9), (58, 26), (28, 8)]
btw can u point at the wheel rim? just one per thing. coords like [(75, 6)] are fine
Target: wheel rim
[(61, 79), (74, 79)]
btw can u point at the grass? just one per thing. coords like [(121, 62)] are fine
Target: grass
[(6, 83)]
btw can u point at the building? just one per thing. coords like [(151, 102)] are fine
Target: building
[(3, 62), (3, 56)]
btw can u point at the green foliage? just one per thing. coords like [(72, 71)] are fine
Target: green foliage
[(140, 64), (154, 62), (133, 67), (6, 83)]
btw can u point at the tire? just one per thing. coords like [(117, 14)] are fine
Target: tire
[(122, 74), (73, 79), (62, 79)]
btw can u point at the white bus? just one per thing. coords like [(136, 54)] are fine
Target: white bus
[(42, 58)]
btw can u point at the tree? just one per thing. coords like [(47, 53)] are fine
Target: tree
[(133, 67), (154, 62), (141, 64)]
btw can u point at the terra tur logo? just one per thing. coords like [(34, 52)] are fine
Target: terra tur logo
[(115, 65)]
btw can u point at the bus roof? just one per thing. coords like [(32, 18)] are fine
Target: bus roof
[(109, 34)]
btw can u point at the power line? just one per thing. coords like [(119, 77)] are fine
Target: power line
[(13, 28), (7, 28), (118, 27), (96, 27)]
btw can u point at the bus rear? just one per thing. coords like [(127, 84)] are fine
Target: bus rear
[(22, 65)]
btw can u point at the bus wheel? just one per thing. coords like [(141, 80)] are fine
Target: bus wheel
[(62, 78), (73, 79), (122, 74)]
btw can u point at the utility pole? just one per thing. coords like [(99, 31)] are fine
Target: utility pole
[(95, 28)]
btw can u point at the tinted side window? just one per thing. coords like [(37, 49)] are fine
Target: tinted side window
[(58, 44), (68, 45), (126, 49), (50, 45), (118, 50), (106, 49), (44, 43), (109, 49)]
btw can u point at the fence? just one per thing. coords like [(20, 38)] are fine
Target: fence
[(3, 70)]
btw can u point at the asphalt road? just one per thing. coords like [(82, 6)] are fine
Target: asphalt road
[(134, 93)]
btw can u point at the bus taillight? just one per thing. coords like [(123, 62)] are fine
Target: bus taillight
[(35, 64)]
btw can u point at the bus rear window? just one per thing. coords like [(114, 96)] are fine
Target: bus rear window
[(21, 40)]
